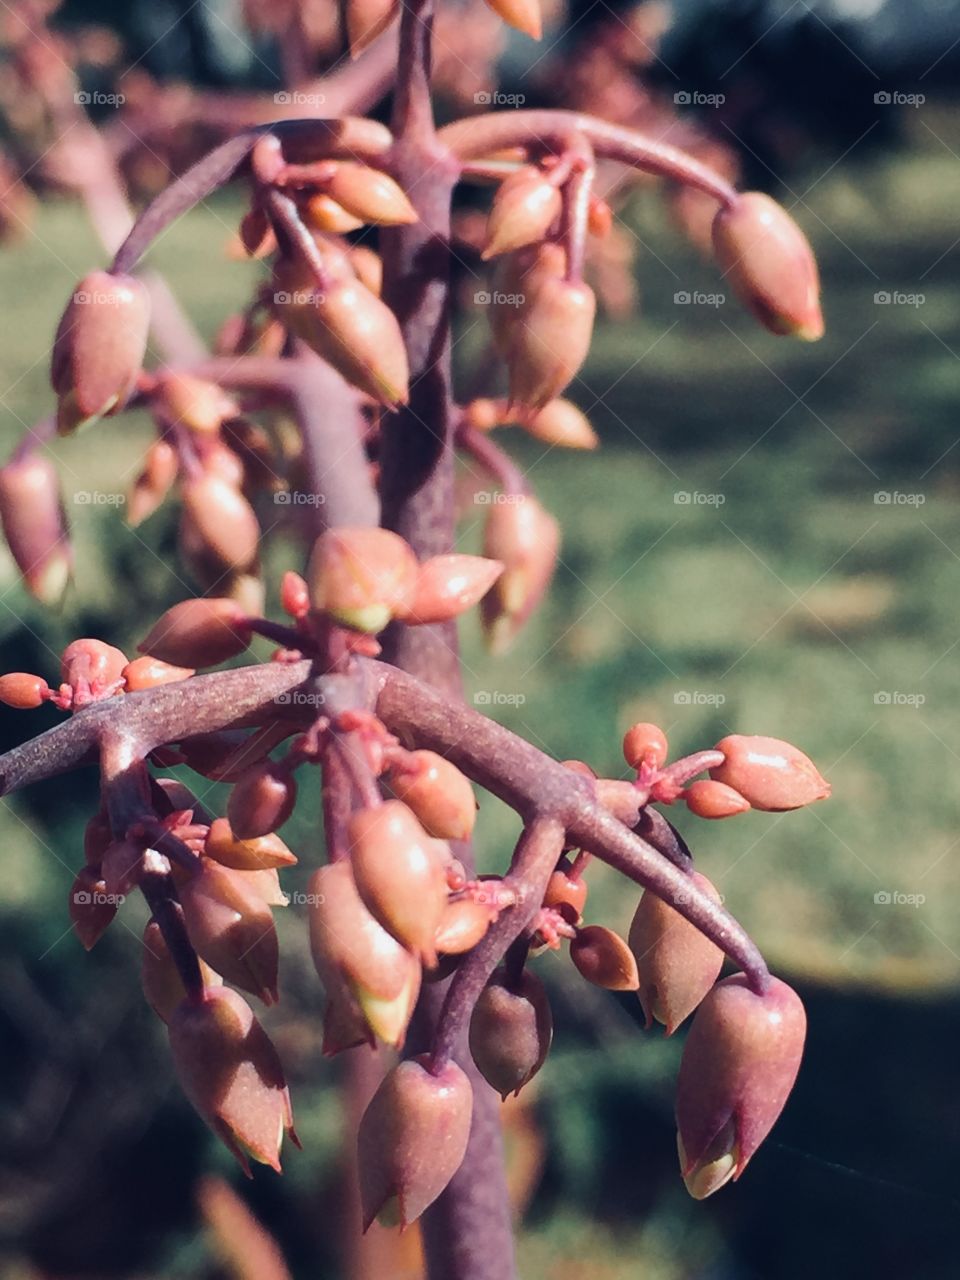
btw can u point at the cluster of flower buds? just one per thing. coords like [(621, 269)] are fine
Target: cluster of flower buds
[(89, 671)]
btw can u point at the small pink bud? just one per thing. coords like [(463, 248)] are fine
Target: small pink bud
[(198, 633), (739, 1064), (526, 539), (645, 743), (21, 690), (195, 403), (92, 907), (448, 586), (369, 194), (149, 673), (262, 800), (770, 264), (92, 669), (322, 213), (362, 577), (438, 793), (294, 595), (161, 466), (561, 424), (223, 521), (267, 851), (413, 1137), (230, 1071), (603, 958), (34, 526), (522, 15), (677, 965), (231, 927), (768, 773), (566, 895), (162, 985), (549, 341), (463, 924), (524, 208), (510, 1032), (709, 799)]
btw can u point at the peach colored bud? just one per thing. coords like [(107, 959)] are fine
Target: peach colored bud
[(362, 577), (516, 278), (100, 344), (739, 1064), (645, 744), (92, 906), (368, 267), (245, 855), (149, 673), (463, 924), (162, 985), (769, 263), (196, 403), (349, 947), (677, 965), (369, 194), (230, 1071), (231, 927), (399, 875), (510, 1032), (524, 208), (262, 799), (566, 895), (526, 539), (224, 521), (522, 15), (483, 414), (34, 526), (412, 1138), (603, 958), (294, 595), (92, 669), (160, 468), (599, 217), (768, 773), (709, 799), (438, 793), (448, 586), (21, 690), (562, 424), (365, 20), (322, 213), (256, 234), (198, 633)]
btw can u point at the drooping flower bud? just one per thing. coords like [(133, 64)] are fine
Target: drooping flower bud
[(677, 965), (230, 1071), (768, 773), (149, 673), (561, 424), (522, 15), (195, 403), (262, 799), (510, 1032), (365, 20), (198, 633), (162, 985), (526, 539), (438, 793), (448, 586), (245, 855), (161, 465), (524, 207), (362, 577), (603, 958), (413, 1137), (231, 927), (92, 906), (223, 520), (709, 799), (369, 194), (99, 347), (322, 213), (35, 527), (463, 924), (769, 263), (22, 690), (645, 744), (92, 669), (548, 340), (739, 1064), (566, 895), (399, 875)]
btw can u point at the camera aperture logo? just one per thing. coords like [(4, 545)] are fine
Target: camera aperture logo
[(894, 898), (498, 698), (698, 698)]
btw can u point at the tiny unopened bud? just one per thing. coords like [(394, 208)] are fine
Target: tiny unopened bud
[(198, 633), (92, 906), (769, 262), (450, 585), (369, 194), (522, 15), (413, 1137), (566, 895), (321, 212), (739, 1064), (438, 793), (645, 743), (526, 540), (162, 985), (603, 958), (231, 927), (362, 577), (92, 669), (294, 595), (35, 527), (262, 799), (709, 799), (524, 208), (223, 520), (148, 673), (768, 773), (365, 20), (510, 1031), (21, 690), (561, 424), (463, 924), (161, 465), (245, 855), (195, 403)]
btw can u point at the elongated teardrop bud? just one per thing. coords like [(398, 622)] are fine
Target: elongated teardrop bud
[(162, 985), (438, 793), (35, 527), (223, 520), (522, 15), (709, 799), (267, 851), (362, 577), (526, 539), (463, 924), (547, 340), (369, 194), (231, 927), (92, 906), (22, 690), (262, 799), (510, 1031), (160, 467), (524, 207), (198, 633), (561, 424), (768, 773), (149, 673), (448, 586), (603, 958)]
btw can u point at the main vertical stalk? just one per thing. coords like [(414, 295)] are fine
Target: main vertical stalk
[(467, 1232)]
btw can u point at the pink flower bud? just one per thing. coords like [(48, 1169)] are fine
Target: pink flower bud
[(162, 985), (149, 673), (549, 341), (645, 743), (463, 924), (448, 586), (294, 595), (768, 773), (677, 965), (413, 1137), (229, 1070), (524, 208), (438, 793), (365, 20), (198, 633), (561, 424), (92, 907), (322, 213), (522, 15), (399, 875), (526, 539), (92, 669), (231, 927), (510, 1032), (223, 521), (362, 577), (603, 958), (100, 344), (34, 526), (709, 799), (770, 264), (21, 690), (161, 466), (739, 1064), (369, 194), (262, 800), (195, 403), (566, 895), (267, 851)]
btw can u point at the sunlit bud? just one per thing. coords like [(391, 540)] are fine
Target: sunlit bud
[(739, 1064), (366, 19), (245, 855), (566, 895), (92, 669), (148, 673), (256, 233), (524, 207), (450, 585), (196, 403), (603, 958), (562, 424), (350, 947), (368, 266), (160, 468), (599, 217), (362, 577), (677, 965), (369, 194), (294, 595), (516, 279), (510, 1032), (162, 985), (231, 927), (768, 773), (344, 1026), (463, 924), (438, 793), (413, 1137), (547, 340), (230, 1071), (399, 875), (709, 799), (224, 521), (483, 414), (198, 633), (262, 799), (645, 744), (526, 539), (21, 690), (769, 263), (34, 526), (523, 15), (100, 344), (92, 906), (266, 882)]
